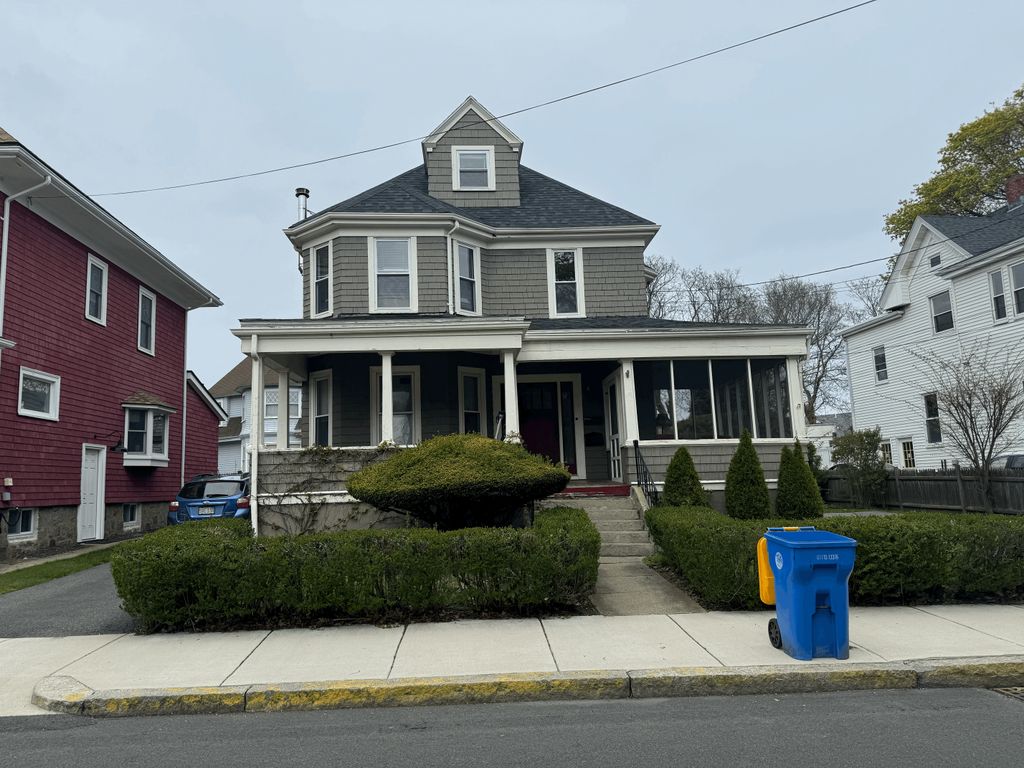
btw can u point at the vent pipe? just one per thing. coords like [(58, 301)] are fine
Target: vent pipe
[(302, 194)]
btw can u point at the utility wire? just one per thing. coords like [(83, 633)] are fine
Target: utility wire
[(577, 94)]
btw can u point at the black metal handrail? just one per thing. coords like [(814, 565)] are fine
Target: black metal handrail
[(643, 476)]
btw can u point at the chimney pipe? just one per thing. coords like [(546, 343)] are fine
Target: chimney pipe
[(303, 197), (1014, 190)]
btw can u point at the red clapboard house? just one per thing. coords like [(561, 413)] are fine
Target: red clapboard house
[(100, 422)]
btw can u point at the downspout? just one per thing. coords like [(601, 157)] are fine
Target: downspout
[(3, 243), (255, 437), (451, 267)]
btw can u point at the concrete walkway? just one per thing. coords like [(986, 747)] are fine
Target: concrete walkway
[(457, 649)]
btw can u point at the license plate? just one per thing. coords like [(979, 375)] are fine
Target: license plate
[(207, 511)]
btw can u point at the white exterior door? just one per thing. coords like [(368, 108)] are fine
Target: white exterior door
[(90, 509), (613, 441)]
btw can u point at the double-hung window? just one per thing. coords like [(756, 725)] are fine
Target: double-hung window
[(469, 279), (147, 321), (931, 418), (96, 291), (942, 311), (393, 274), (565, 282), (473, 169), (471, 401), (998, 294), (145, 436), (320, 417), (886, 449), (1017, 275), (881, 368), (909, 462), (39, 395), (321, 283)]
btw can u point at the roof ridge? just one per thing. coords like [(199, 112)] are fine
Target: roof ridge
[(581, 192)]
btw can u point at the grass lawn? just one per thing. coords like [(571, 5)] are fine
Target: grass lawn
[(37, 574)]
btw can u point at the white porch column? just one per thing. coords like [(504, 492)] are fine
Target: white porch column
[(629, 402), (283, 410), (511, 396), (387, 402), (256, 399), (796, 397)]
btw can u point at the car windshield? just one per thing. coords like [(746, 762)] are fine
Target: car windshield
[(211, 489)]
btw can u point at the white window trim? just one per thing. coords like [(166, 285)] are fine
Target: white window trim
[(31, 534), (152, 323), (937, 418), (136, 524), (581, 308), (456, 184), (478, 294), (932, 315), (330, 280), (1012, 308), (315, 376), (413, 278), (54, 413), (149, 458), (481, 375), (874, 365), (903, 454), (92, 260), (375, 405), (1005, 280)]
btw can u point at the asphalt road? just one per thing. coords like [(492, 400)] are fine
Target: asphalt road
[(84, 603), (879, 728)]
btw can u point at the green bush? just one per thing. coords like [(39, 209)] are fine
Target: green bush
[(746, 493), (217, 576), (797, 496), (458, 481), (860, 454), (682, 484), (905, 559)]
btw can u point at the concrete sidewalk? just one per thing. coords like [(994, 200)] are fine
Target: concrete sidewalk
[(563, 648)]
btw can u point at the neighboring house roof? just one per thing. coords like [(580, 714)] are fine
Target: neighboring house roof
[(842, 422), (543, 203), (6, 138), (199, 388), (981, 234), (231, 430), (142, 397), (235, 380)]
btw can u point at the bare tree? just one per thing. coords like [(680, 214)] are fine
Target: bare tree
[(717, 297), (664, 295), (867, 295), (793, 301), (980, 402)]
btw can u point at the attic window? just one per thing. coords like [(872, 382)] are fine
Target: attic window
[(473, 168), (935, 260)]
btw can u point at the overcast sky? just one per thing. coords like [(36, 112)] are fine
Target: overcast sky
[(784, 155)]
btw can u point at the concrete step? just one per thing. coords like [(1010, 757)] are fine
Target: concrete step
[(624, 537), (626, 550), (602, 504), (612, 515), (619, 525)]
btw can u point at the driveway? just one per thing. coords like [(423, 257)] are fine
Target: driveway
[(84, 603)]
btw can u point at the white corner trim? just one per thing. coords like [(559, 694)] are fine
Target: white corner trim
[(54, 381), (456, 182)]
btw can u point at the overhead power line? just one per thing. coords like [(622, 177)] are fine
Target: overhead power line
[(540, 105)]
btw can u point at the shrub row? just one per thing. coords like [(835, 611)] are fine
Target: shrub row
[(913, 558), (215, 575)]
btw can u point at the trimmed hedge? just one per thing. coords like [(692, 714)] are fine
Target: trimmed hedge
[(907, 559), (459, 481), (746, 492), (682, 483), (215, 575)]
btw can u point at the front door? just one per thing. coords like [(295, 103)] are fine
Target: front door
[(550, 417), (538, 420), (612, 429), (90, 509)]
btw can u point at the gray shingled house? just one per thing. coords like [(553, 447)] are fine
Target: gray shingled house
[(474, 294)]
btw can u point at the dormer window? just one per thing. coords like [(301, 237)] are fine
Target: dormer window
[(473, 169)]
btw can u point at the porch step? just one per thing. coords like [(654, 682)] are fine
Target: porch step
[(635, 524), (627, 550), (625, 537), (593, 491), (612, 515), (606, 504)]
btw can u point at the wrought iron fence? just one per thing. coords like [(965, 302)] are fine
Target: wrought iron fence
[(643, 476)]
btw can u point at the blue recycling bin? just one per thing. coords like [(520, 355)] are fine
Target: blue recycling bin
[(812, 571)]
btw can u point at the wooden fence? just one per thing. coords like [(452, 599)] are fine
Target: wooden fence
[(924, 489)]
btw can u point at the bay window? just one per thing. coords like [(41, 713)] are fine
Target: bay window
[(393, 274), (565, 282), (468, 285), (145, 436), (321, 281)]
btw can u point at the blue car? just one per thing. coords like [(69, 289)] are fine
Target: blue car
[(211, 497)]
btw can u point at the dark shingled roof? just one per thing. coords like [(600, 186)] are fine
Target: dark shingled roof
[(543, 203), (239, 377), (981, 234), (145, 398)]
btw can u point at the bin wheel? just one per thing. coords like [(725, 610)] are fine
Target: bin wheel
[(774, 635)]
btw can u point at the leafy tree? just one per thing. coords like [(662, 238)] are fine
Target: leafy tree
[(746, 492), (974, 165), (860, 454), (682, 483), (797, 495)]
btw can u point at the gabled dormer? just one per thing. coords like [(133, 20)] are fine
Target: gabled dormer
[(472, 159)]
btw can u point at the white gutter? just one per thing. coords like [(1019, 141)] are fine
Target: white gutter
[(450, 268), (886, 317), (3, 244)]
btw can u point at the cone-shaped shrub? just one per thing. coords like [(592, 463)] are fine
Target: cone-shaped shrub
[(682, 484), (746, 493), (798, 495)]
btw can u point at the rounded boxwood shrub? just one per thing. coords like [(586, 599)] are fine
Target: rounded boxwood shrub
[(798, 495), (682, 484), (746, 492), (457, 481)]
